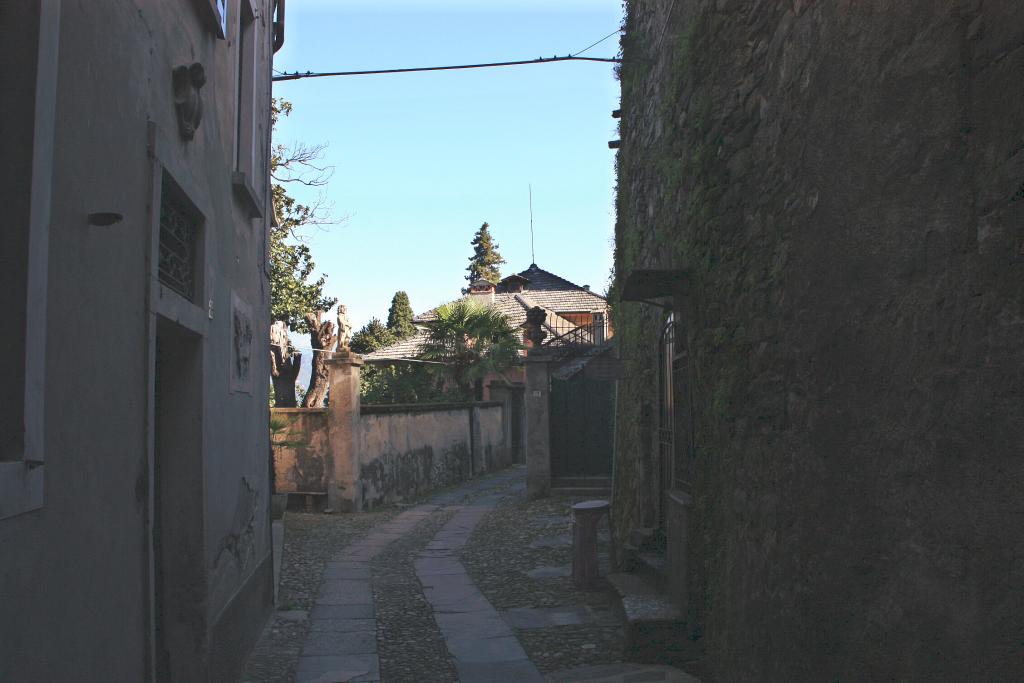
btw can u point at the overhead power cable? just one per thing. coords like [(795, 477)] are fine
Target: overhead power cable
[(576, 54), (540, 60)]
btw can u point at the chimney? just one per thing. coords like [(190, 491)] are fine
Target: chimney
[(482, 291)]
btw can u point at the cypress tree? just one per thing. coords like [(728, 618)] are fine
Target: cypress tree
[(485, 261), (400, 316)]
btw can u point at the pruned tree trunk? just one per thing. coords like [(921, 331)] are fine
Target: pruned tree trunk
[(323, 337), (284, 366)]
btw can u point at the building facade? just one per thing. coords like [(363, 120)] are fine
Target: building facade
[(818, 303), (134, 471)]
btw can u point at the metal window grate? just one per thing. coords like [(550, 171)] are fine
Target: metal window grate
[(179, 237)]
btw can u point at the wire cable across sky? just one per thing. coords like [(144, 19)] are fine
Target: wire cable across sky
[(294, 76)]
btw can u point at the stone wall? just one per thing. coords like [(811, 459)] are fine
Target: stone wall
[(299, 464), (408, 449), (843, 181), (399, 450)]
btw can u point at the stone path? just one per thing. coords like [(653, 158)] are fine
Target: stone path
[(342, 640), (482, 644), (418, 597)]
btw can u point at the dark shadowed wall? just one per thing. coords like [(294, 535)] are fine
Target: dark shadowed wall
[(845, 183)]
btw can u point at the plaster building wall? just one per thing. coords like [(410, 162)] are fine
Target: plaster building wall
[(842, 181), (156, 482)]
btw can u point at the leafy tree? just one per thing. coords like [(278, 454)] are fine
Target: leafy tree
[(373, 378), (295, 299), (473, 341), (292, 294), (485, 261), (372, 336), (400, 316)]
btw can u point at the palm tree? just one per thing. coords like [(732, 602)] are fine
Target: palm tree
[(473, 341)]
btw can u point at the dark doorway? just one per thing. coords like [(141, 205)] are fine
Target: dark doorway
[(179, 582), (581, 424)]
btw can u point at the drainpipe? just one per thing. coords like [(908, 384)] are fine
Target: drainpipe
[(279, 26)]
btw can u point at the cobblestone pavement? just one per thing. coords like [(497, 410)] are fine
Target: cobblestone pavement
[(469, 585)]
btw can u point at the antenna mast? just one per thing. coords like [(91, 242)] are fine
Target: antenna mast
[(533, 257)]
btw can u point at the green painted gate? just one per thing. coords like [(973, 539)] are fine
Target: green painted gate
[(581, 423)]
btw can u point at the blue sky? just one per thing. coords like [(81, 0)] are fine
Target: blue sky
[(421, 160)]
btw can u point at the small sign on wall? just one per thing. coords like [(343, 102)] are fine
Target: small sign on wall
[(241, 345)]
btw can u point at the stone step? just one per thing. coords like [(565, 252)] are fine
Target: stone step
[(581, 492), (656, 631), (653, 567), (582, 482)]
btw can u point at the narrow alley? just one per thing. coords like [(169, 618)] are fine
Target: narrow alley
[(472, 583)]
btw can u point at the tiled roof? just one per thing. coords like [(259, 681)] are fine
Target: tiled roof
[(557, 293), (513, 306), (546, 290), (407, 348)]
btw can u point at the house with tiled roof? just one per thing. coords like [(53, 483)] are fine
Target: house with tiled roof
[(572, 311)]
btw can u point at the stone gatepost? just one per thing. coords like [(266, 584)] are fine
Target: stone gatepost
[(537, 411), (344, 489), (536, 406)]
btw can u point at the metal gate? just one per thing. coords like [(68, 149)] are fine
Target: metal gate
[(581, 422)]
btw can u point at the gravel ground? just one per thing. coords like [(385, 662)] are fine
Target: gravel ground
[(409, 642), (520, 536), (309, 540)]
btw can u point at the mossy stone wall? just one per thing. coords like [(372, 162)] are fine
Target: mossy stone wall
[(843, 181)]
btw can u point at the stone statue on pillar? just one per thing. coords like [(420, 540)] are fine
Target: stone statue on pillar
[(344, 329), (535, 332)]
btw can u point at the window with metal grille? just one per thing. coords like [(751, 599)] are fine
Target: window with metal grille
[(180, 227)]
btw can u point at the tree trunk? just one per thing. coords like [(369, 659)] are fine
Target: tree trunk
[(323, 338), (284, 366)]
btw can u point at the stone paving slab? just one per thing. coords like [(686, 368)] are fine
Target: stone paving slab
[(342, 625), (341, 642), (345, 592), (336, 669), (479, 624), (435, 566), (475, 648), (498, 672), (347, 570), (622, 673), (333, 612), (546, 617)]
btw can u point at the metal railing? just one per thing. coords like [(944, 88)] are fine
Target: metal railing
[(591, 334)]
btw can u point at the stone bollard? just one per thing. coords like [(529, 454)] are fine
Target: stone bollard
[(585, 517)]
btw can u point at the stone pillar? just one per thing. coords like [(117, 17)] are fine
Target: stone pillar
[(344, 488), (585, 517), (538, 442)]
